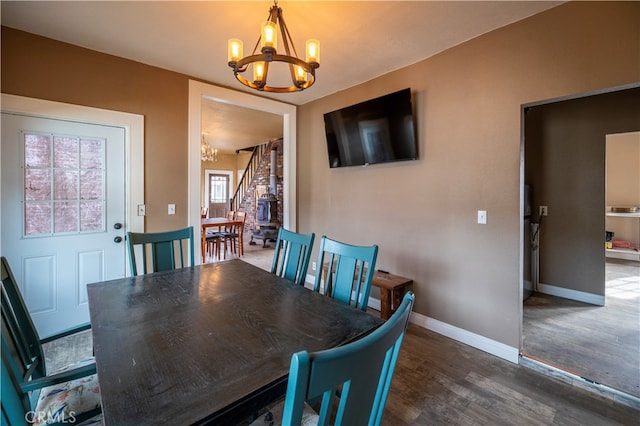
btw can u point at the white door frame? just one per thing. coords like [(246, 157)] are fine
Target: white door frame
[(198, 91), (134, 143)]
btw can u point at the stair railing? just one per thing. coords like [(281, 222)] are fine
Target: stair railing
[(247, 176)]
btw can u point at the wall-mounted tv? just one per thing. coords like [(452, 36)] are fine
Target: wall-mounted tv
[(379, 130)]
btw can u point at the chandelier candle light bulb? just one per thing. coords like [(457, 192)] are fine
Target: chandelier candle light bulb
[(313, 51), (269, 37), (258, 72), (302, 73), (235, 50)]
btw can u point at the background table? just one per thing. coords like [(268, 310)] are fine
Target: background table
[(207, 344), (219, 222)]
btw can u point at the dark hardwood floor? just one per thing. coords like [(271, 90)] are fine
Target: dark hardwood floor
[(599, 343), (440, 381)]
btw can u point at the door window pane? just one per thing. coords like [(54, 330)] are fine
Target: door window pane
[(66, 194), (37, 150), (218, 185), (37, 184), (65, 184), (65, 217), (91, 153), (91, 185), (65, 152), (91, 216), (37, 218)]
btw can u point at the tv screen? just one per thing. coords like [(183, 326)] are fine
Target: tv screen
[(379, 130)]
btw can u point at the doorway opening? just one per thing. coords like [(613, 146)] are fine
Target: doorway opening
[(570, 322), (199, 91)]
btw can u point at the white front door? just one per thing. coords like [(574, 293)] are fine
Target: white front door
[(63, 213)]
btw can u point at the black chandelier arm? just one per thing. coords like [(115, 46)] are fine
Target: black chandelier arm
[(286, 37)]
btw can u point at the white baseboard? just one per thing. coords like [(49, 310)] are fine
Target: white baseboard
[(567, 293), (463, 336)]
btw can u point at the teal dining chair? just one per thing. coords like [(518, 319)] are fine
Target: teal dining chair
[(356, 376), (158, 250), (291, 255), (67, 396), (20, 323), (28, 389), (346, 271)]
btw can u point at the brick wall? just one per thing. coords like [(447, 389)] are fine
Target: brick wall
[(260, 184)]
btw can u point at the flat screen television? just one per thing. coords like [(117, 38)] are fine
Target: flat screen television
[(379, 130)]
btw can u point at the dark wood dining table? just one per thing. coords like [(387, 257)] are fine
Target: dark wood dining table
[(209, 344), (219, 222)]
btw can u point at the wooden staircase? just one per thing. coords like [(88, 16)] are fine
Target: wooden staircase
[(259, 159)]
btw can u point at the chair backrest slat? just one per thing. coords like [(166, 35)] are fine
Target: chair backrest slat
[(162, 250), (346, 271), (17, 320), (363, 370), (291, 255), (13, 401)]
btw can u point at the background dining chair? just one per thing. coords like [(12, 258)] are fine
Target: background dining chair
[(361, 371), (346, 271), (231, 236), (213, 241), (158, 250), (24, 371), (291, 255)]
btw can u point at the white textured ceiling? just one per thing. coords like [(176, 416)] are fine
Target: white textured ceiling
[(360, 40)]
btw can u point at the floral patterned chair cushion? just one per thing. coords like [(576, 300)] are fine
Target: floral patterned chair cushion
[(273, 416), (64, 401)]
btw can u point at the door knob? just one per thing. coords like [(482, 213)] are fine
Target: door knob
[(117, 226), (117, 239)]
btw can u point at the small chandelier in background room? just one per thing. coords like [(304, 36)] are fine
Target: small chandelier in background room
[(303, 73), (207, 152)]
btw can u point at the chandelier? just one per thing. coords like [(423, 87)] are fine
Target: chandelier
[(303, 73), (207, 152)]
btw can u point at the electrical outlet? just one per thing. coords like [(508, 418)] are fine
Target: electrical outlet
[(142, 210), (313, 266), (482, 217), (543, 210), (172, 209)]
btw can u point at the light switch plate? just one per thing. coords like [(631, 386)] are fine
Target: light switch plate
[(172, 209), (482, 217), (142, 210)]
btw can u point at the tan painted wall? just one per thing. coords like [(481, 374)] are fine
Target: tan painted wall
[(468, 99), (421, 213), (42, 68)]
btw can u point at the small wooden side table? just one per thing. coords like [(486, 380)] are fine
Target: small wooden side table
[(392, 290)]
